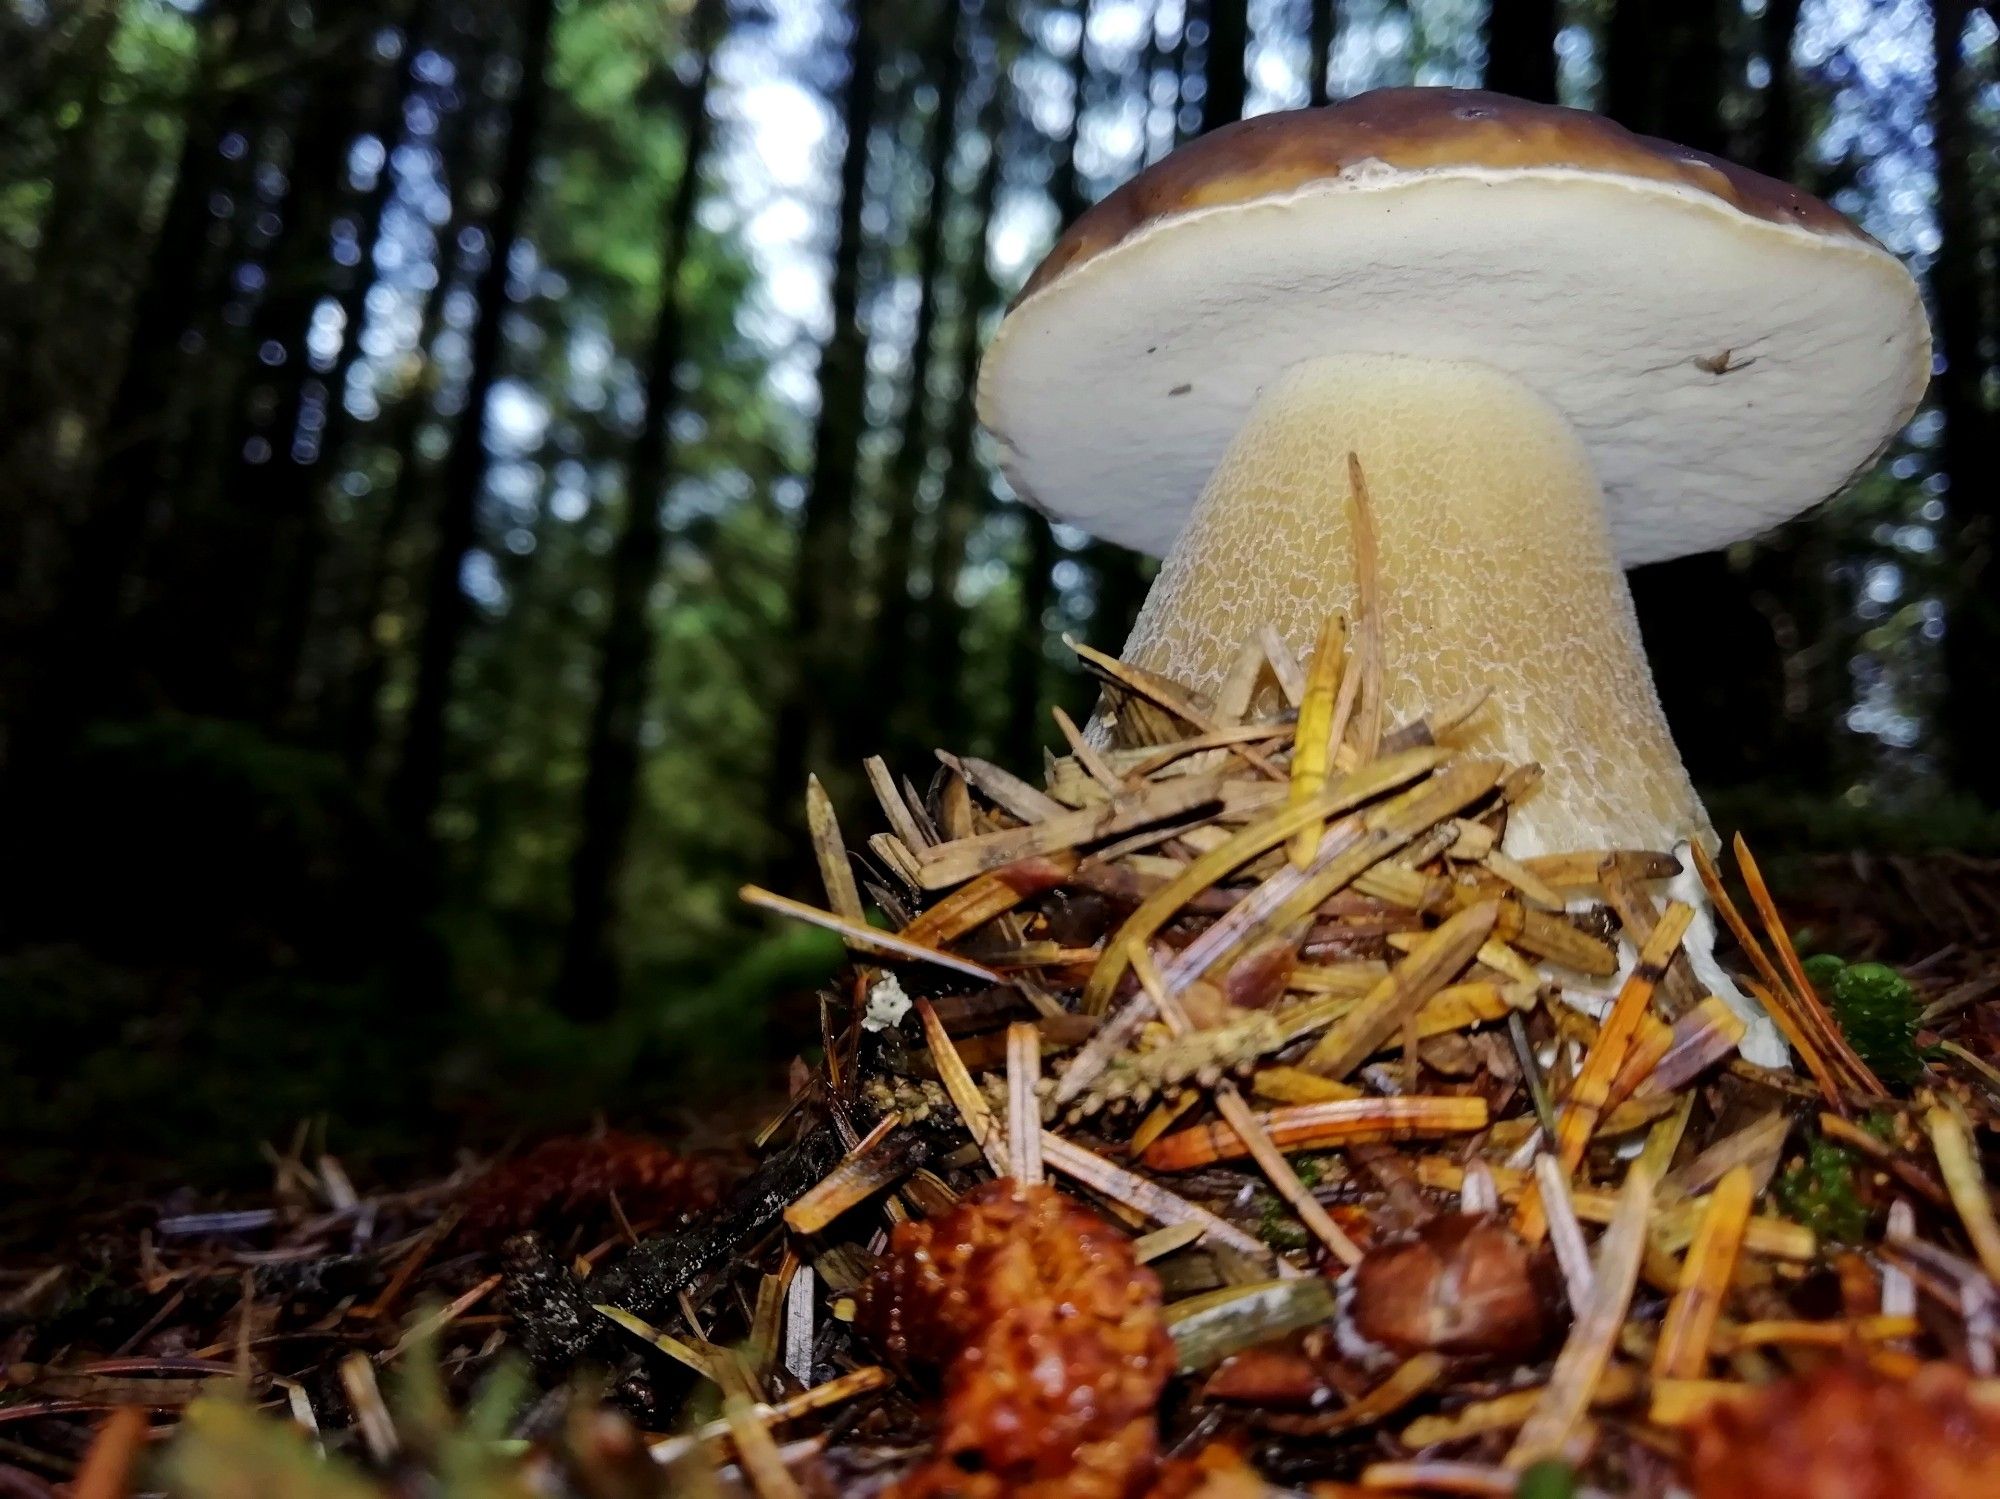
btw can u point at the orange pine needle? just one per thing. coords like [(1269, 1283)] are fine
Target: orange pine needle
[(1705, 1278)]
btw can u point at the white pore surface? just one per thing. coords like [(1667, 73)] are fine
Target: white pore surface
[(1114, 390)]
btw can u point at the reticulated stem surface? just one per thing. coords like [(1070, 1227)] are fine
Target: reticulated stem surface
[(1496, 571)]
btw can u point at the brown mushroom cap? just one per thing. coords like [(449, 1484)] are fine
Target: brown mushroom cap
[(1416, 130), (1729, 349)]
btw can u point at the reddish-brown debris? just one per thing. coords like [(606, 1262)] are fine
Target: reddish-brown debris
[(1848, 1432), (574, 1178), (1050, 1339), (1464, 1285)]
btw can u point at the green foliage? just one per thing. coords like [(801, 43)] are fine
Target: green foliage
[(1551, 1478), (1877, 1011), (1822, 1192), (225, 1450)]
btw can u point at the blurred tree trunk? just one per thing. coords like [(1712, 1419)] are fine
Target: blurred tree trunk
[(354, 717), (1521, 48), (318, 418), (230, 588), (1227, 62), (1321, 19), (966, 491), (49, 388), (1028, 673), (816, 696), (1715, 660), (890, 652), (152, 389), (1790, 573), (587, 984), (1968, 452), (420, 777)]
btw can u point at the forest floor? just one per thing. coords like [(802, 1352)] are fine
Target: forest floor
[(430, 1332)]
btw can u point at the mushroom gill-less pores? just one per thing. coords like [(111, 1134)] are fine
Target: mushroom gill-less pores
[(1555, 348)]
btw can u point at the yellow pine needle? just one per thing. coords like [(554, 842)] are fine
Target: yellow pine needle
[(667, 1343), (1681, 1402), (1504, 1412), (1261, 837), (757, 1451), (987, 1132), (1965, 1182), (1587, 1095), (1798, 1334), (670, 1449), (1705, 1277), (1405, 1383), (1161, 1118), (1673, 1227), (946, 864), (1312, 745), (835, 872), (1380, 1014), (1369, 654), (1293, 1085)]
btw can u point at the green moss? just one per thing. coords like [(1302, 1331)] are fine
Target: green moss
[(1277, 1227), (1821, 1192), (1877, 1011)]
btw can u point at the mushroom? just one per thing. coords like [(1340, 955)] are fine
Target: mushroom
[(1556, 349)]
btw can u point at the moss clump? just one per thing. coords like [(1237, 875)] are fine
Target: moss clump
[(1822, 1191), (1877, 1012)]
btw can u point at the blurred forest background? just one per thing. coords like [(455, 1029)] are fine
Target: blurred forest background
[(463, 461)]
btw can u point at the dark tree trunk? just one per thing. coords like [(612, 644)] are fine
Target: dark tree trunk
[(1969, 454), (1715, 659), (895, 618), (230, 587), (1320, 23), (816, 696), (588, 982), (151, 392), (1521, 48), (420, 777), (1223, 73), (1777, 153)]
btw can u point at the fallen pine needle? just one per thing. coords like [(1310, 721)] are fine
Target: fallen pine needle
[(862, 937), (106, 1472), (1151, 1201), (1587, 1352), (1965, 1182), (820, 1397), (1565, 1233), (1706, 1274), (1024, 1110), (986, 1131)]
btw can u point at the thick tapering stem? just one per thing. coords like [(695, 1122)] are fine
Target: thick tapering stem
[(1496, 571)]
